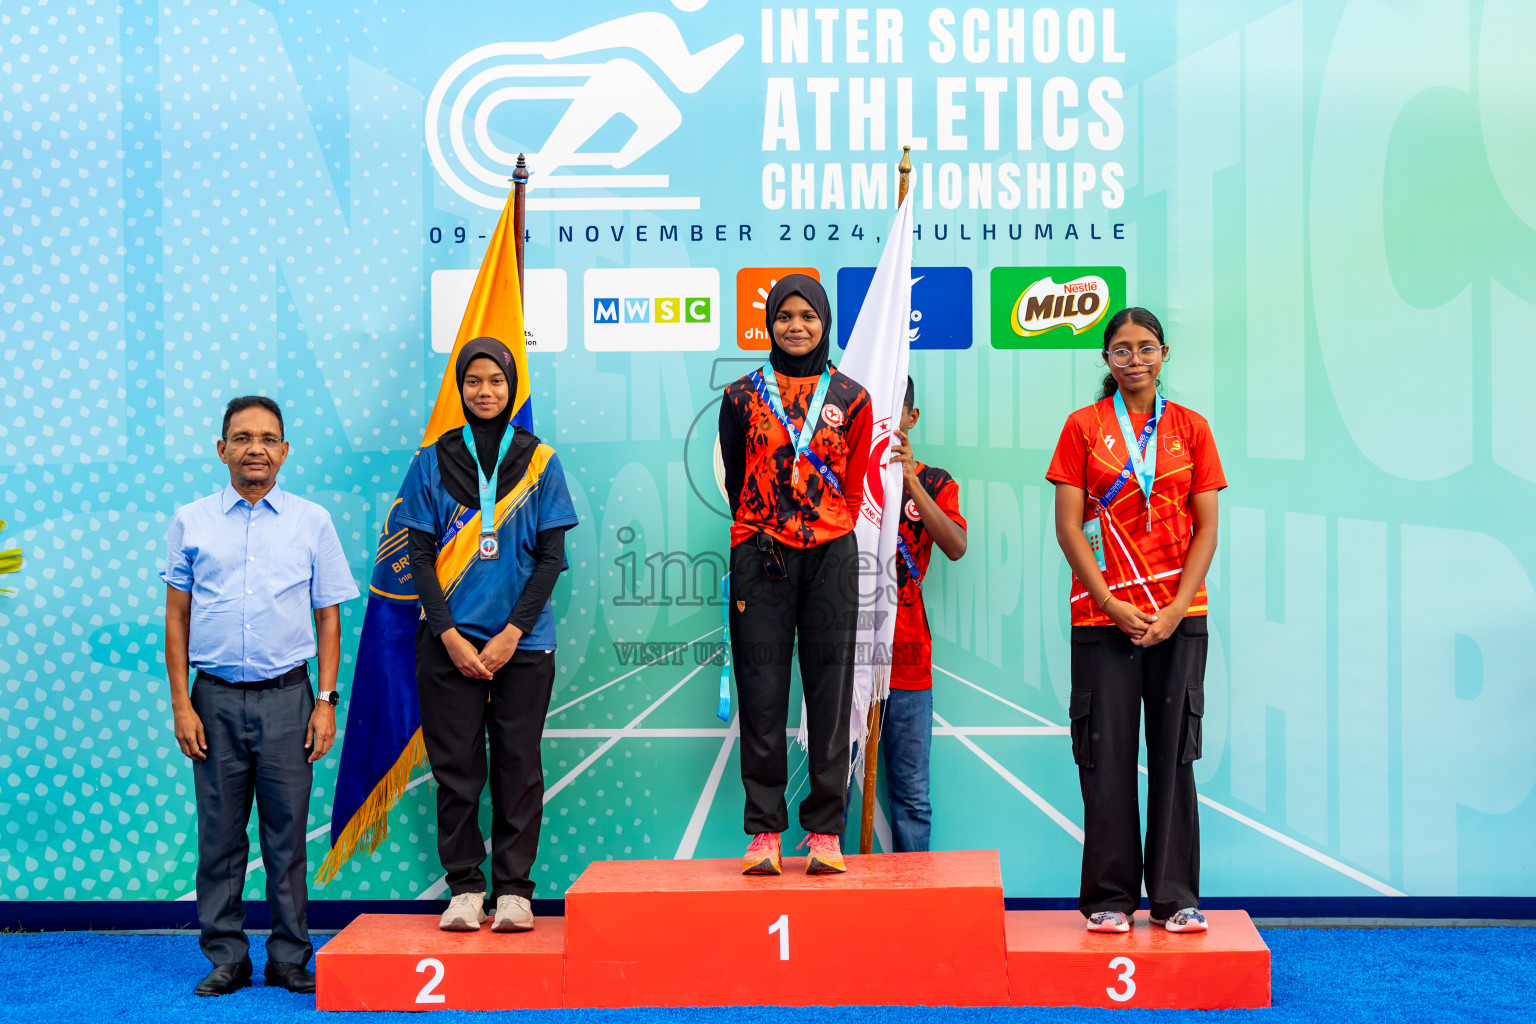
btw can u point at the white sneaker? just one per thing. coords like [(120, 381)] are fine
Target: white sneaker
[(465, 913), (513, 914), (1187, 920), (1108, 921)]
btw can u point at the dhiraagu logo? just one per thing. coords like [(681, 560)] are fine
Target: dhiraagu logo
[(1054, 307), (652, 309)]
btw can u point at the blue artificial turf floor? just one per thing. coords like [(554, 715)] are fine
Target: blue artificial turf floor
[(1331, 975)]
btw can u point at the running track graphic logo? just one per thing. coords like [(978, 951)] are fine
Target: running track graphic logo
[(478, 161)]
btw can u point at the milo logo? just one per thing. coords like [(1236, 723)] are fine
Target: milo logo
[(1045, 305), (1054, 307)]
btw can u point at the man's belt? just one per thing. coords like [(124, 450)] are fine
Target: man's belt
[(293, 677)]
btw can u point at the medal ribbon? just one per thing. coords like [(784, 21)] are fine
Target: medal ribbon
[(767, 384), (906, 556), (488, 484), (1145, 465), (723, 709), (1140, 463)]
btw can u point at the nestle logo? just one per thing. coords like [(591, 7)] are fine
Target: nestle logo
[(1053, 307)]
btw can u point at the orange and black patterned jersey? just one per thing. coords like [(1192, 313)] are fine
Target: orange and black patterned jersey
[(1140, 566), (767, 494), (912, 646)]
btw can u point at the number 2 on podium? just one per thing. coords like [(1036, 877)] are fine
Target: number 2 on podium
[(782, 927), (427, 995)]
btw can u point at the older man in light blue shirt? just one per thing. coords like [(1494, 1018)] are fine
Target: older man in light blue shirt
[(246, 570)]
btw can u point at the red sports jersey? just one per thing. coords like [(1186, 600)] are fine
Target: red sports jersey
[(912, 647), (1141, 567), (811, 511)]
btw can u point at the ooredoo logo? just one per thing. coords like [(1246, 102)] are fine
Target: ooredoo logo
[(652, 309), (1053, 307)]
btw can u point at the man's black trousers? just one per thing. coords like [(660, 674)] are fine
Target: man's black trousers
[(255, 750), (1112, 679), (819, 602), (456, 718)]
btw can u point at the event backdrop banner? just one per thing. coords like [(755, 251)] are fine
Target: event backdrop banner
[(1330, 205)]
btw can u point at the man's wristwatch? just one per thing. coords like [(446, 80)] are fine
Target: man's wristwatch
[(330, 697)]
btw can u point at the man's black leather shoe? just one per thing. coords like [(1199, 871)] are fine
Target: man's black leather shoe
[(292, 977), (224, 979)]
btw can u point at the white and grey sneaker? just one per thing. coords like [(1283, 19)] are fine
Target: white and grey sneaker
[(1187, 920), (1109, 921), (513, 914), (465, 913)]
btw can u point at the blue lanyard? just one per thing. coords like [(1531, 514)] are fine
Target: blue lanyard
[(1140, 460), (488, 485), (767, 384), (723, 709), (906, 556), (1138, 463)]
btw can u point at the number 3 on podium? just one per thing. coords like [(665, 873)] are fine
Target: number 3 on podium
[(1127, 967), (782, 927)]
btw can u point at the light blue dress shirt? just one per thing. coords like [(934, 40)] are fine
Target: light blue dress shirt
[(255, 574)]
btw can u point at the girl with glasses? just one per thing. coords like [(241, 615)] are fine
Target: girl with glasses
[(1136, 480)]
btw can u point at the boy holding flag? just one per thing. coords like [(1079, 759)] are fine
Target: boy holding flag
[(930, 514)]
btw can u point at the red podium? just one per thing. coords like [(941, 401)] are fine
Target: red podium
[(700, 933), (1053, 961), (403, 962)]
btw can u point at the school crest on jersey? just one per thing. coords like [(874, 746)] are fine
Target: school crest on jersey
[(1174, 445)]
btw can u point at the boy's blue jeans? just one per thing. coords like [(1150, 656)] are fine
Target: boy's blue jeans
[(905, 738)]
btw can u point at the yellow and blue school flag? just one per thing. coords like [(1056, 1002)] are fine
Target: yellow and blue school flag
[(383, 746)]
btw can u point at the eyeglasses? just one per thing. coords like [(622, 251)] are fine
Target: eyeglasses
[(270, 442), (1146, 355)]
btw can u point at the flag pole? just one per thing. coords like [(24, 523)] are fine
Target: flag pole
[(519, 208), (872, 724)]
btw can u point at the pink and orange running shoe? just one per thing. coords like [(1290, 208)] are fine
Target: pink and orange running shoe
[(762, 855), (826, 857)]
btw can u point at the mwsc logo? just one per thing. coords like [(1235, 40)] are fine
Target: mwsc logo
[(1053, 307), (652, 309), (510, 85)]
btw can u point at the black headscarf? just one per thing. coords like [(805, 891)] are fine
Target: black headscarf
[(808, 288), (461, 476)]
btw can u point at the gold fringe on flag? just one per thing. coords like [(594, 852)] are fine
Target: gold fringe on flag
[(370, 825)]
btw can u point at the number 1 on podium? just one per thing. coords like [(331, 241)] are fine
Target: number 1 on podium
[(782, 927)]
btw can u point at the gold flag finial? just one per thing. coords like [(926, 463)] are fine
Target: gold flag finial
[(905, 169)]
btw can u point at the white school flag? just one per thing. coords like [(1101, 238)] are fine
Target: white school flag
[(876, 357)]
